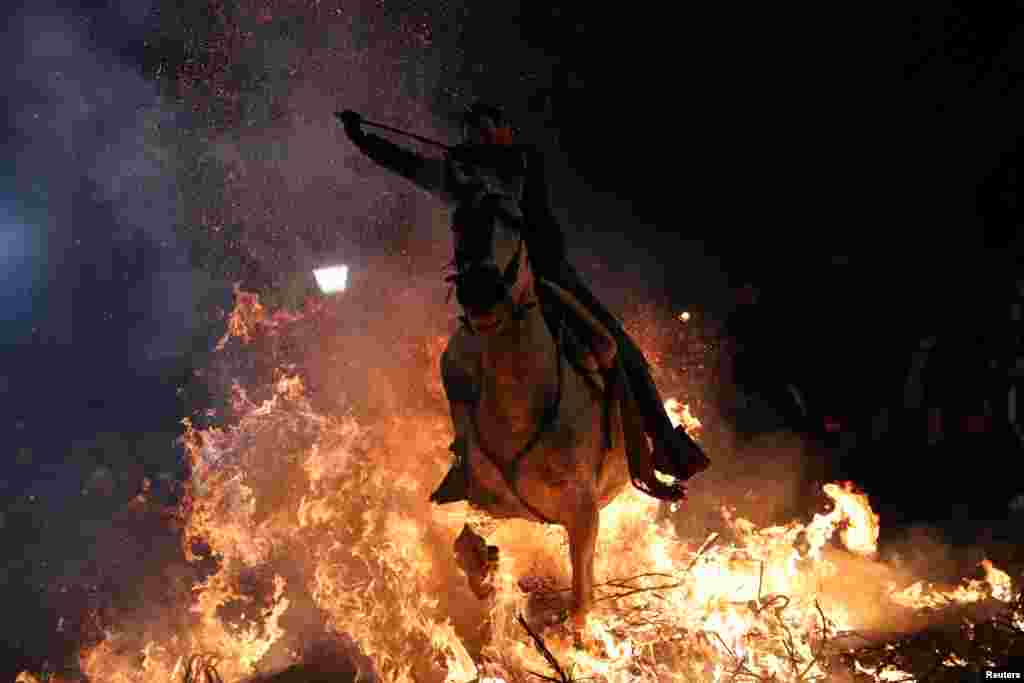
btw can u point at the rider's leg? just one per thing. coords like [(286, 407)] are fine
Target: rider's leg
[(675, 453)]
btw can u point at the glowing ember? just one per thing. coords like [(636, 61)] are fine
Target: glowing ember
[(332, 279), (684, 317)]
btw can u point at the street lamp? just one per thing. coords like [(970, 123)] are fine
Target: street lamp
[(331, 279)]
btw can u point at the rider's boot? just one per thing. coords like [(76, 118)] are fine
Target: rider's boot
[(675, 453)]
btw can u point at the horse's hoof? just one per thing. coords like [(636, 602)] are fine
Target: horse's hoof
[(477, 560), (578, 623)]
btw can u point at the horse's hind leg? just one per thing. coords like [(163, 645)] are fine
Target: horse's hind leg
[(477, 559), (582, 547)]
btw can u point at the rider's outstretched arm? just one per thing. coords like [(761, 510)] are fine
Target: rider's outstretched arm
[(427, 173)]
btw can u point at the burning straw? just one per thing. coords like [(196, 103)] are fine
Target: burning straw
[(972, 635), (978, 626), (317, 528)]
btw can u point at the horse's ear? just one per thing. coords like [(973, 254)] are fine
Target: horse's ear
[(528, 277), (512, 270), (526, 261)]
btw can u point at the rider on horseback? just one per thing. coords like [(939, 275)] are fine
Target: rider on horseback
[(491, 162)]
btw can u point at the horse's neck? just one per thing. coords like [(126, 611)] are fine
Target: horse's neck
[(520, 370), (529, 344)]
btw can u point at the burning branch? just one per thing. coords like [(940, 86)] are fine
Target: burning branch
[(538, 642), (777, 605), (202, 668), (971, 636), (708, 542), (632, 590), (741, 668), (942, 652), (803, 664)]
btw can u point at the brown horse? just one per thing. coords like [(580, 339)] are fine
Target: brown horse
[(534, 438)]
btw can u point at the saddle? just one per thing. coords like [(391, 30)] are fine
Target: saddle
[(596, 357), (587, 344)]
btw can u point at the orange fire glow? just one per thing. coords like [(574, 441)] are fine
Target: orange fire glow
[(332, 512)]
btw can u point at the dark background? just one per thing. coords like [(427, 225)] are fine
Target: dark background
[(862, 169), (860, 166)]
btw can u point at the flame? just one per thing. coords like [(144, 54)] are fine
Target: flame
[(858, 525), (921, 594), (305, 512), (243, 320), (679, 414)]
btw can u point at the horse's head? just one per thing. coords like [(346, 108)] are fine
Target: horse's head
[(493, 279)]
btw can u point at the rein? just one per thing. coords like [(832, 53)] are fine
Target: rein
[(510, 471)]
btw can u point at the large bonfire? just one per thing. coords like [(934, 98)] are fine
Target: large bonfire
[(315, 526)]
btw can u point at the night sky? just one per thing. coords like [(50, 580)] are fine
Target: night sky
[(861, 165), (99, 289)]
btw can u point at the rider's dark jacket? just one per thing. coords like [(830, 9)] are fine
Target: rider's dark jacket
[(467, 172)]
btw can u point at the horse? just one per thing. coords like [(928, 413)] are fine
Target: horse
[(536, 438)]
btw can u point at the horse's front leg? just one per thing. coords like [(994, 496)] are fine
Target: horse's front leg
[(582, 547)]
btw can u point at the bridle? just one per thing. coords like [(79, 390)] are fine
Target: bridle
[(485, 286)]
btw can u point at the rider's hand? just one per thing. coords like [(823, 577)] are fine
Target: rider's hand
[(353, 123)]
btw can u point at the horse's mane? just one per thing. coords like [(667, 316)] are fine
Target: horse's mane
[(475, 223)]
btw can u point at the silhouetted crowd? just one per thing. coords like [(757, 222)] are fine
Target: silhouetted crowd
[(935, 421)]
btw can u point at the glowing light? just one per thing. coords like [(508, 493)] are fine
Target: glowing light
[(332, 279), (684, 317)]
